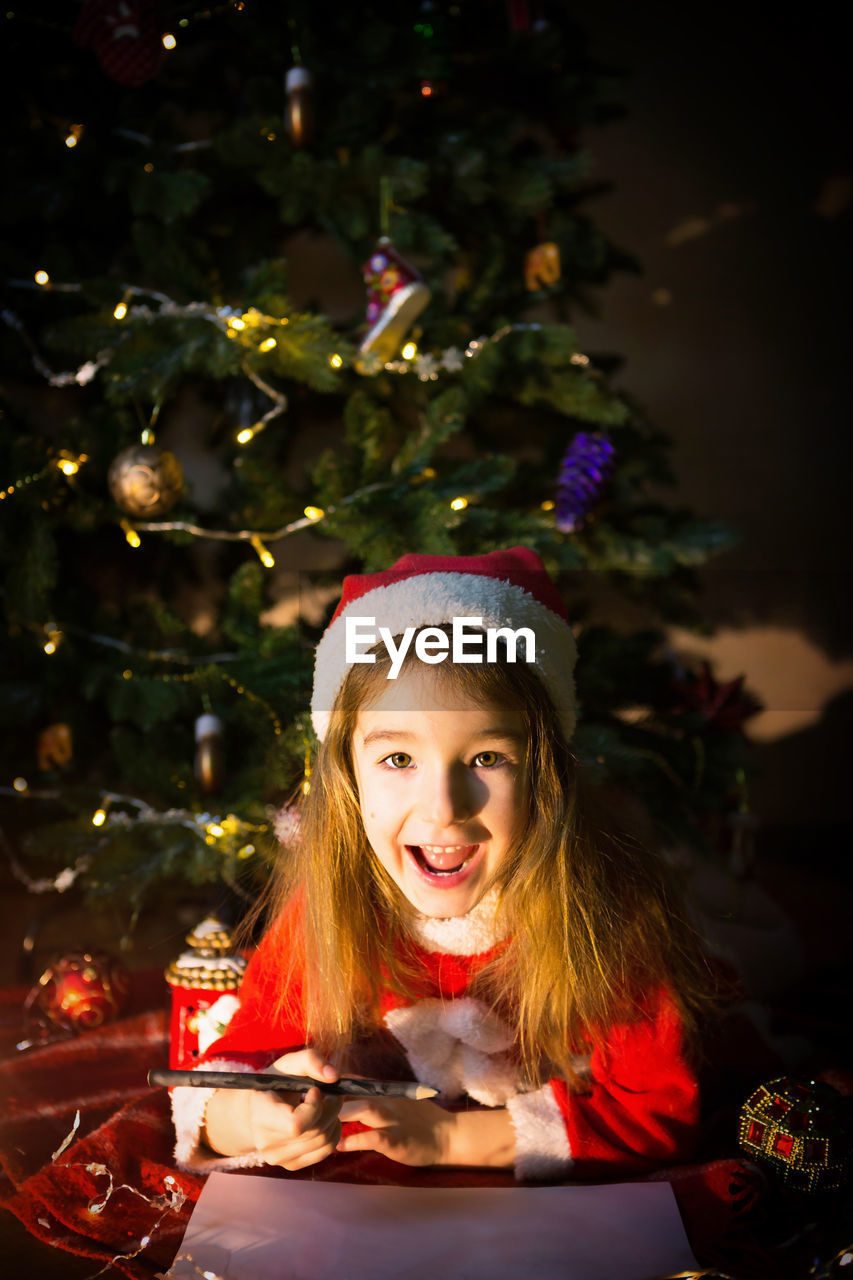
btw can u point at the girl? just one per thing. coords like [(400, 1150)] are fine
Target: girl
[(447, 915)]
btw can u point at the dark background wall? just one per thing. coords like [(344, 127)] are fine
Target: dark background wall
[(733, 184)]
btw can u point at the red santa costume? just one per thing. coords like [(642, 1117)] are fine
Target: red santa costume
[(639, 1106)]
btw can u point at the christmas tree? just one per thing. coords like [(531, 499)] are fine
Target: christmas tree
[(287, 296)]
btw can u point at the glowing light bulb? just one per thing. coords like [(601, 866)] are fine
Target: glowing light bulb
[(409, 351), (99, 817), (244, 436), (314, 513), (306, 787), (267, 344), (120, 311), (547, 505), (265, 556), (335, 361), (71, 141), (20, 784), (237, 323), (426, 89), (68, 466), (214, 829), (127, 674), (169, 41), (130, 533), (41, 277), (459, 504), (50, 647)]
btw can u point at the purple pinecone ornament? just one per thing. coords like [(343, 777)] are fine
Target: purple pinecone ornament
[(585, 470)]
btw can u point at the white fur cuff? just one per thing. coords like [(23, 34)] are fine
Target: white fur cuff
[(188, 1108), (541, 1143)]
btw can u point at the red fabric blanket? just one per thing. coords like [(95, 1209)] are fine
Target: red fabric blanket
[(114, 1193)]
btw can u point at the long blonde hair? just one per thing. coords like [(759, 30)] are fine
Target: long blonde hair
[(592, 919)]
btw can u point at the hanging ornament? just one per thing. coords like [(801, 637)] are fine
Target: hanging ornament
[(79, 991), (298, 109), (585, 471), (204, 982), (518, 13), (54, 748), (717, 706), (209, 763), (145, 480), (287, 825), (125, 37), (542, 266), (797, 1129), (396, 295)]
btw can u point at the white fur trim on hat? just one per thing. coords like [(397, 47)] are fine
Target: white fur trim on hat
[(542, 1147), (188, 1108), (429, 599)]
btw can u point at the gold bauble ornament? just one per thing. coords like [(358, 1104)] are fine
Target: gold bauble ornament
[(145, 481)]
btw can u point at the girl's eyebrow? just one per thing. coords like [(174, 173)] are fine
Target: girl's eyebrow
[(501, 732)]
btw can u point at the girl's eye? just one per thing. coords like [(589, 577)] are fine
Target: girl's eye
[(398, 760), (487, 759)]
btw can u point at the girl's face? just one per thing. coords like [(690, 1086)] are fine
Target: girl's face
[(442, 788)]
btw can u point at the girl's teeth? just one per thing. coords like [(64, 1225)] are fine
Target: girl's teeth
[(445, 857)]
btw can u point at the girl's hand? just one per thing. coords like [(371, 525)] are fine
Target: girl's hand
[(287, 1129), (421, 1133), (410, 1132)]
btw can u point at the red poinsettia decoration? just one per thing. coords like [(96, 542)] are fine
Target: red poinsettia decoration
[(721, 706), (125, 37)]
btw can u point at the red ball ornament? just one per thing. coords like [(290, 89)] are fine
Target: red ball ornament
[(80, 990)]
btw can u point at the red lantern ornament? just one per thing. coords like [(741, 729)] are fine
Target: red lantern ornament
[(125, 36), (79, 991), (396, 295), (204, 982)]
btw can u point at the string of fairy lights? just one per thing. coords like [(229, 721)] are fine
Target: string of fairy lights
[(255, 331)]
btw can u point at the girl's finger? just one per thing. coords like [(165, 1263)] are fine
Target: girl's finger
[(366, 1111), (315, 1111), (306, 1062), (372, 1140)]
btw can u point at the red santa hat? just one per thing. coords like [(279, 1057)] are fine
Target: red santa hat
[(503, 588)]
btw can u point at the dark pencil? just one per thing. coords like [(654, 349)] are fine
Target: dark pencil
[(270, 1080)]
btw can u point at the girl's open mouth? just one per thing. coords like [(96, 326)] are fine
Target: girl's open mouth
[(445, 866)]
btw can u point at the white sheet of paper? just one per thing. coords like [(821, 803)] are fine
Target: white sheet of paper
[(251, 1228)]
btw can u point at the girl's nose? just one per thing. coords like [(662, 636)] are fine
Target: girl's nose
[(447, 796)]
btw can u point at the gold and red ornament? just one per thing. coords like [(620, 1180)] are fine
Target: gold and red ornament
[(204, 981), (79, 991), (125, 36), (542, 266), (585, 471), (54, 747), (797, 1129), (209, 760), (145, 480), (299, 107), (396, 295)]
